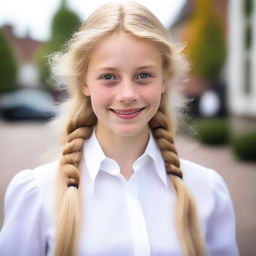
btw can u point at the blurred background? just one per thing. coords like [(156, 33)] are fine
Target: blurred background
[(220, 133)]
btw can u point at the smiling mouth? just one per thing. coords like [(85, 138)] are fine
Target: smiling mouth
[(127, 114), (127, 111)]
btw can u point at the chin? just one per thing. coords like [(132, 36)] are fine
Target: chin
[(131, 131)]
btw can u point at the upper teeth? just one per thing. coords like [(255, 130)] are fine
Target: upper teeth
[(127, 113)]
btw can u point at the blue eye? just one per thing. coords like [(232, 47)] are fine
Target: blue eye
[(143, 75), (107, 77)]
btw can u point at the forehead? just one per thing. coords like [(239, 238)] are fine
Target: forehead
[(121, 49)]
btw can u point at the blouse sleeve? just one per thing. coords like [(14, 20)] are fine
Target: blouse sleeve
[(221, 233), (21, 233)]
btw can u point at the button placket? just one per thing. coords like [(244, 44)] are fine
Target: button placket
[(137, 220)]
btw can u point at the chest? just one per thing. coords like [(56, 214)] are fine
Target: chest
[(122, 218)]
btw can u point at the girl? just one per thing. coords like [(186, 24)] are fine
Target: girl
[(121, 189)]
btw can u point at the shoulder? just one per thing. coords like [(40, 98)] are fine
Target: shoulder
[(195, 174), (45, 174), (204, 183), (28, 211), (215, 208), (32, 178), (31, 184)]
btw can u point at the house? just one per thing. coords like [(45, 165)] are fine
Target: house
[(24, 49), (242, 63), (239, 73)]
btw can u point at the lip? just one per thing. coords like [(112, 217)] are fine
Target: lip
[(127, 114)]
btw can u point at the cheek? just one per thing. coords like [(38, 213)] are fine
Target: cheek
[(99, 100), (154, 97)]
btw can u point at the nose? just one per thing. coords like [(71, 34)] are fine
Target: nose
[(127, 91)]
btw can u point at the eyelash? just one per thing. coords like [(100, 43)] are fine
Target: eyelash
[(103, 76), (144, 73)]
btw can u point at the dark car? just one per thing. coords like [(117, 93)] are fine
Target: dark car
[(27, 104)]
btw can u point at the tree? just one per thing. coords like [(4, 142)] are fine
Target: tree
[(8, 66), (64, 24), (206, 41)]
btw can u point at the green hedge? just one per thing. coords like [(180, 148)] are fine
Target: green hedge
[(212, 131), (8, 66), (244, 146)]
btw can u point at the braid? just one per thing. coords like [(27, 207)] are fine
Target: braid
[(161, 130), (72, 154), (186, 215), (69, 198)]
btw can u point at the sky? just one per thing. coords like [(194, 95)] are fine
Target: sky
[(33, 17)]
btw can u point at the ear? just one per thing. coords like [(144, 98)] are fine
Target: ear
[(164, 85), (85, 89)]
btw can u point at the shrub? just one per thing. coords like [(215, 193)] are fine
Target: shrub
[(244, 146), (206, 45), (65, 22), (212, 131), (8, 66)]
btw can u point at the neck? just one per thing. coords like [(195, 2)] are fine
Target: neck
[(123, 149)]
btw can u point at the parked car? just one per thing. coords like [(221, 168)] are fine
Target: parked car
[(27, 104)]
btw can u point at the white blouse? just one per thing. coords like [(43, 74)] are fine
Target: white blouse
[(121, 218)]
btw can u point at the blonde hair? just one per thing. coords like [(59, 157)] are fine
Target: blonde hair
[(71, 66)]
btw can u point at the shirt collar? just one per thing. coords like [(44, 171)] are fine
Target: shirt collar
[(95, 158), (153, 152)]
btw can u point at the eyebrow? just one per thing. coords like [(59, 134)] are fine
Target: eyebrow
[(109, 68), (147, 66)]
